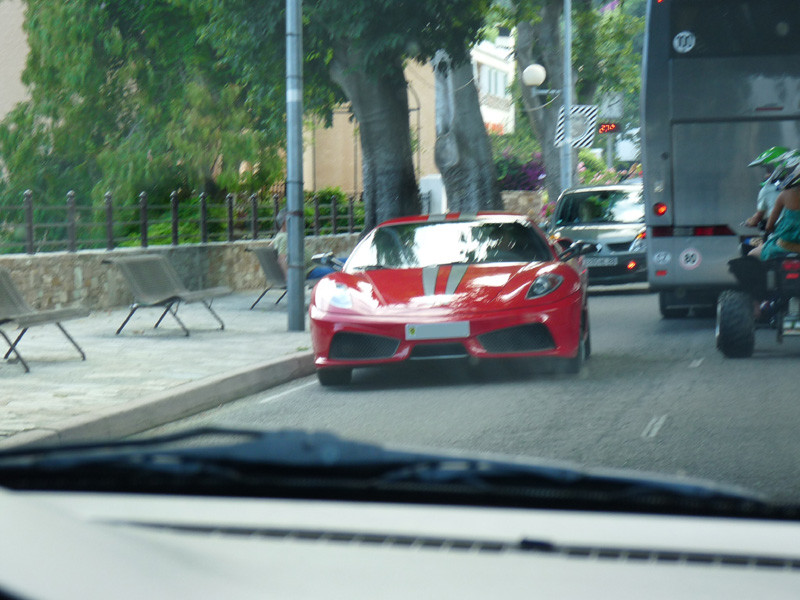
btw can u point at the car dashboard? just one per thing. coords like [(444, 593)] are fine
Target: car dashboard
[(89, 545)]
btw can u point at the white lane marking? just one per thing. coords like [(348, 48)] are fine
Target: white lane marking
[(654, 426), (695, 363), (287, 392)]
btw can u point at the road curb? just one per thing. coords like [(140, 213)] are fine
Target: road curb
[(162, 408)]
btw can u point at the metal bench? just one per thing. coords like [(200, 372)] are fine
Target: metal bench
[(273, 272), (154, 282), (15, 310), (276, 278)]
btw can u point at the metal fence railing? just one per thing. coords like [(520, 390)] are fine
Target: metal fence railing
[(33, 226)]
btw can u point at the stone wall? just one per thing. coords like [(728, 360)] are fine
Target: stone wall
[(61, 279)]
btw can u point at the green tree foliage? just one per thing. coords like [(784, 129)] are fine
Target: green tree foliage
[(618, 54), (126, 98), (154, 95), (606, 57), (355, 50)]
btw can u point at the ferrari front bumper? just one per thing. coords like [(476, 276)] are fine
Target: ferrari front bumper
[(342, 339)]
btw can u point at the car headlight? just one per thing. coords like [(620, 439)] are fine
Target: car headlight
[(341, 297), (543, 285), (639, 243)]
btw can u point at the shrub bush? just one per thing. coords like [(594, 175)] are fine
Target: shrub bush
[(514, 173)]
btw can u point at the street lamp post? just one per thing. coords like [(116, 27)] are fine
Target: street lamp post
[(535, 74), (295, 280), (566, 149)]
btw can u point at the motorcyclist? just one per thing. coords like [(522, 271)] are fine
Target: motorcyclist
[(767, 196), (783, 224), (785, 236)]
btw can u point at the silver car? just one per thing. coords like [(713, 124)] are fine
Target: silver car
[(611, 216)]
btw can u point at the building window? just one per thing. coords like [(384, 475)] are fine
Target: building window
[(493, 82)]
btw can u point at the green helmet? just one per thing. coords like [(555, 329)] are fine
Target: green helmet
[(792, 179), (785, 166), (769, 156)]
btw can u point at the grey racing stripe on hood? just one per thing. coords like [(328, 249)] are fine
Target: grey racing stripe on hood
[(455, 277), (429, 276)]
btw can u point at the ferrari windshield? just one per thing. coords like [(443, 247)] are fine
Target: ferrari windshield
[(423, 244)]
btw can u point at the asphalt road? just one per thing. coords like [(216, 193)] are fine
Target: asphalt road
[(656, 395)]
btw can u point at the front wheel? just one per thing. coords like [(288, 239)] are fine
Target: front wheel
[(588, 346), (574, 365), (328, 377), (735, 330)]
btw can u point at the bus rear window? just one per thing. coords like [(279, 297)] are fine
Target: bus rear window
[(717, 28), (600, 207)]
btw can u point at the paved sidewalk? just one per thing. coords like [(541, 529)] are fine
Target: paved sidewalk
[(145, 377)]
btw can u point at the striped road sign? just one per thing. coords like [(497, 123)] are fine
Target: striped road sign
[(583, 123)]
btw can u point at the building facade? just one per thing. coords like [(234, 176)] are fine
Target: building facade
[(13, 50)]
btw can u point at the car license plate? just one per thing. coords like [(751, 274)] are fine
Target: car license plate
[(600, 261), (437, 331)]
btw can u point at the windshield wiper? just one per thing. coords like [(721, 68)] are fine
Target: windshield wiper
[(299, 464)]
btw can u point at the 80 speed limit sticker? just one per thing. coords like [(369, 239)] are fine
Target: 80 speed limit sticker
[(690, 259)]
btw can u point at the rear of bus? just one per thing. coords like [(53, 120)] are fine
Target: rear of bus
[(721, 83)]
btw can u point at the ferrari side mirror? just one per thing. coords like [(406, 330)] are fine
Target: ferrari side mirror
[(578, 248)]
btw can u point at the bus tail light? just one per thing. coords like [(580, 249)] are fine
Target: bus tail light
[(708, 230), (663, 231), (698, 231), (660, 209)]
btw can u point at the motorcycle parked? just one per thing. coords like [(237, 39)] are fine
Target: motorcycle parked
[(327, 259)]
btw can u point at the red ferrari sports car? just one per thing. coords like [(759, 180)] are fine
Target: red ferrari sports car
[(443, 286)]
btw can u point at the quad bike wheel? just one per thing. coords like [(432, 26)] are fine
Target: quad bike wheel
[(735, 330)]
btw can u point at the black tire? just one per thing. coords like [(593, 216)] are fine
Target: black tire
[(670, 313), (588, 345), (573, 365), (736, 327), (328, 377)]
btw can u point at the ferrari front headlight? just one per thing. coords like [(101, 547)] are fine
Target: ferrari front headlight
[(543, 285), (341, 297)]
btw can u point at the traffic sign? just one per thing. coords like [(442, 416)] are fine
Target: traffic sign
[(612, 105), (583, 124)]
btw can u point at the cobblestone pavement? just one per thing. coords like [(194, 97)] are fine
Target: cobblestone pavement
[(141, 363)]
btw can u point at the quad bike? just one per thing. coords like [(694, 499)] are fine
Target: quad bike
[(768, 293)]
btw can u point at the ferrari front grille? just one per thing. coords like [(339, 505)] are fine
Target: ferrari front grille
[(522, 338), (449, 350), (361, 346)]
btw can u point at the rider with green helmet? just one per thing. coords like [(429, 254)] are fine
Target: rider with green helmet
[(785, 236), (769, 191)]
